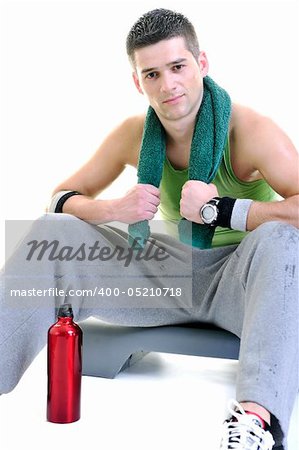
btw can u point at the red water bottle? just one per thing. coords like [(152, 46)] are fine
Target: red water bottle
[(64, 368)]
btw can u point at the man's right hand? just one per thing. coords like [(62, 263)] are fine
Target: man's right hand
[(139, 203)]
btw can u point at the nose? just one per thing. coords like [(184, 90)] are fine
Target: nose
[(168, 82)]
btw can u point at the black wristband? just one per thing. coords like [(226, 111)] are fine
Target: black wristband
[(225, 209), (63, 199)]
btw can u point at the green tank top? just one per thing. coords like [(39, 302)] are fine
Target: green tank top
[(228, 185)]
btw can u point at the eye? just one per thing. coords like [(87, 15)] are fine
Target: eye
[(178, 67), (151, 75)]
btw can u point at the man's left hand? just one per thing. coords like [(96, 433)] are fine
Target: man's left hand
[(194, 195)]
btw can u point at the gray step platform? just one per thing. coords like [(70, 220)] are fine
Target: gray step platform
[(108, 349)]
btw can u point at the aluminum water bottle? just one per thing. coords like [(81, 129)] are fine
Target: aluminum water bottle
[(64, 368)]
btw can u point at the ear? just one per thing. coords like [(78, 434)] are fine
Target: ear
[(137, 83), (203, 64)]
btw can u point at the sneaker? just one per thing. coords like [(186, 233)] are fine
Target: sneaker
[(244, 431)]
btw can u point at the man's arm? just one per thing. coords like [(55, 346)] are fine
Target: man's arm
[(259, 149), (269, 151), (121, 147)]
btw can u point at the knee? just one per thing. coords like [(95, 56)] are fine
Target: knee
[(46, 227), (277, 234), (276, 227), (272, 243), (271, 261), (57, 217), (54, 221)]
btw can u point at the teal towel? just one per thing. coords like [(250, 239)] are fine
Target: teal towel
[(207, 147)]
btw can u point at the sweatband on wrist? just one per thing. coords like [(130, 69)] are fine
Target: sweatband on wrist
[(59, 199), (239, 214), (225, 208)]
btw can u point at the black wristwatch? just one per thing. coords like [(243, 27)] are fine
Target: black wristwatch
[(209, 212)]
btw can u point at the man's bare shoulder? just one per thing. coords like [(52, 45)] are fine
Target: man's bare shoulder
[(129, 133), (245, 119), (254, 131), (134, 123), (254, 137)]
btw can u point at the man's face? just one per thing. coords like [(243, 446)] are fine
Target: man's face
[(171, 78)]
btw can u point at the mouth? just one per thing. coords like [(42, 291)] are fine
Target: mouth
[(173, 100)]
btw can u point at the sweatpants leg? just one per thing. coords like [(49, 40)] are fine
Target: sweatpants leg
[(255, 295)]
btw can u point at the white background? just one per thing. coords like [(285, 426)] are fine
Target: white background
[(65, 82)]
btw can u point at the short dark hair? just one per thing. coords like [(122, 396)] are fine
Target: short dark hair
[(157, 25)]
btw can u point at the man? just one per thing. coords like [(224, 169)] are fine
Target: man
[(246, 277)]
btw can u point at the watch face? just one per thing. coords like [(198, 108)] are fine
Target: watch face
[(208, 213)]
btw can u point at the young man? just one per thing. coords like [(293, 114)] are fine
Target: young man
[(249, 274)]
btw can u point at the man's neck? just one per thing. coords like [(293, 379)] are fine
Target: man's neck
[(179, 131), (179, 136)]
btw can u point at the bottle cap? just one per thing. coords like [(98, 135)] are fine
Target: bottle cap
[(65, 310)]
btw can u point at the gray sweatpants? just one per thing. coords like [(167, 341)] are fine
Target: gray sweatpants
[(250, 289)]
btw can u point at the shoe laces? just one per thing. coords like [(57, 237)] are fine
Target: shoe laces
[(241, 431)]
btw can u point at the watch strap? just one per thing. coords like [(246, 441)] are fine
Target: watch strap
[(225, 208)]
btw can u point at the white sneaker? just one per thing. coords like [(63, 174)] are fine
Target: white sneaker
[(244, 431)]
